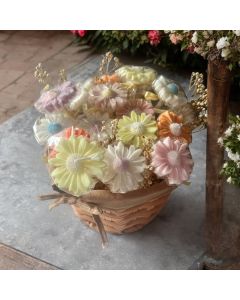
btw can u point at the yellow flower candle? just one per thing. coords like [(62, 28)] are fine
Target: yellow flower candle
[(78, 165), (133, 129)]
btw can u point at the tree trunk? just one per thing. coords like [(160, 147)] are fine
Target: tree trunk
[(218, 87)]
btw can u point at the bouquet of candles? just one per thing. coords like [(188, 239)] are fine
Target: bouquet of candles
[(117, 144)]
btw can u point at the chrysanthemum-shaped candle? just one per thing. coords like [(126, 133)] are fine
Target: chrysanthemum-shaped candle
[(50, 125), (170, 93), (186, 111), (172, 160), (136, 74), (132, 129), (81, 96), (57, 98), (124, 168), (93, 121), (78, 165), (137, 105), (107, 97), (169, 124)]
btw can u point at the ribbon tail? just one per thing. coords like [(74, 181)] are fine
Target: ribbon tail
[(48, 197), (101, 229)]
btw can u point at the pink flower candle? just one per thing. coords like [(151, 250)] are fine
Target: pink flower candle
[(172, 160)]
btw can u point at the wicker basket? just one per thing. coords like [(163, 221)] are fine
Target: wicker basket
[(124, 213)]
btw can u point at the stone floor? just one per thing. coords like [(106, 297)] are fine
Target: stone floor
[(20, 52)]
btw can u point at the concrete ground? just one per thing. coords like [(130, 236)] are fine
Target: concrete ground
[(20, 52)]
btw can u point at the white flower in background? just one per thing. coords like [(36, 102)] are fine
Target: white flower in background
[(225, 165), (220, 141), (195, 37), (228, 132), (233, 156), (169, 93), (237, 32), (205, 34), (222, 43), (238, 137), (225, 52), (198, 50), (124, 168), (211, 43), (50, 125), (229, 180), (238, 164)]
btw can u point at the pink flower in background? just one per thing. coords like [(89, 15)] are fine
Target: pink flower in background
[(191, 49), (80, 33), (175, 38), (154, 37), (172, 160)]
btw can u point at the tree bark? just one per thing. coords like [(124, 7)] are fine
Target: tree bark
[(218, 86)]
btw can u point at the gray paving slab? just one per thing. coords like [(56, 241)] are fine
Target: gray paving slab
[(172, 241)]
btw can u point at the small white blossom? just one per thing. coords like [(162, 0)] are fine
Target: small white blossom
[(198, 50), (225, 52), (238, 164), (205, 34), (233, 156), (237, 32), (238, 137), (222, 43), (211, 43), (195, 37), (225, 165), (229, 180), (228, 132), (220, 141)]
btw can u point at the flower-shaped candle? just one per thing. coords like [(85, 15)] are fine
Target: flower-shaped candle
[(78, 165), (186, 111), (133, 129), (57, 98), (107, 97), (50, 125), (136, 74), (137, 105), (124, 168), (172, 160), (93, 121), (170, 124), (81, 96), (170, 93)]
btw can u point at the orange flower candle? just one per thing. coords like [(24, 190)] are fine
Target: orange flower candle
[(170, 124)]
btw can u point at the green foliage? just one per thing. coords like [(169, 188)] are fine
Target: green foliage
[(232, 172), (136, 42), (231, 143)]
